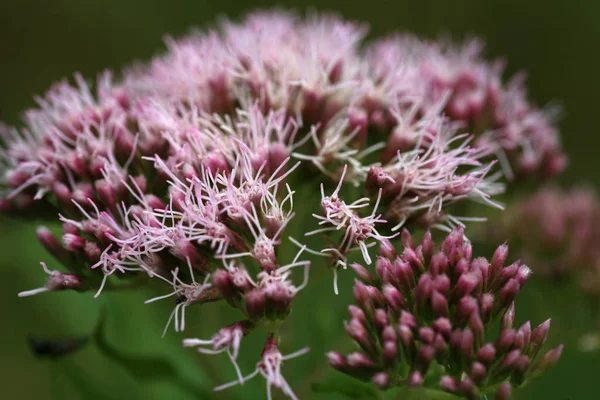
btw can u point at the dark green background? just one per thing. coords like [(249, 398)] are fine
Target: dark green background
[(555, 41)]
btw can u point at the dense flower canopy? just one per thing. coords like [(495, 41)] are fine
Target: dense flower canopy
[(185, 169)]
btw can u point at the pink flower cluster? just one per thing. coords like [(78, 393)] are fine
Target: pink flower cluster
[(558, 231), (182, 170), (429, 314)]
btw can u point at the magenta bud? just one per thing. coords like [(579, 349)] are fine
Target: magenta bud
[(68, 227), (187, 251), (255, 303), (15, 178), (362, 273), (453, 240), (393, 297), (425, 355), (465, 285), (426, 335), (381, 380), (106, 192), (486, 354), (504, 392), (523, 274), (50, 243), (505, 340), (386, 249), (72, 242), (410, 256), (549, 359), (359, 360), (404, 274), (401, 139), (336, 360), (377, 179), (521, 366), (461, 268), (448, 384), (415, 379), (477, 327), (482, 265), (406, 239), (383, 267), (539, 334), (63, 193), (389, 334), (505, 274), (443, 326), (455, 339), (441, 348), (427, 245), (466, 343), (438, 264), (439, 304), (63, 282), (358, 119), (375, 296), (406, 337), (406, 318), (278, 154), (361, 295), (510, 360), (525, 333), (509, 293), (154, 202), (466, 306), (467, 387), (486, 305), (222, 281), (215, 163), (280, 297), (357, 332), (390, 353), (509, 317), (424, 289), (478, 372), (92, 252), (82, 192), (357, 313), (381, 318), (441, 283), (498, 259)]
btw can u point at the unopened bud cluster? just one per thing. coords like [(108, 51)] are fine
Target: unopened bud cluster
[(426, 318)]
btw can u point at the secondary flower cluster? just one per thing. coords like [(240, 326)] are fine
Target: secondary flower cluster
[(182, 170), (557, 231), (426, 317)]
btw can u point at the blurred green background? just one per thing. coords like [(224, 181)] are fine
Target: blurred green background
[(555, 41)]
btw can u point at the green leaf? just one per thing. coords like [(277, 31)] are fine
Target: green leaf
[(146, 367), (348, 387)]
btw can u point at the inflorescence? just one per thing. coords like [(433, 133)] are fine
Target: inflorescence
[(428, 315), (185, 170)]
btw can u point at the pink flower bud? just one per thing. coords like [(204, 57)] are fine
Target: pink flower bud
[(549, 359), (539, 334), (381, 380), (504, 392), (486, 354), (362, 273)]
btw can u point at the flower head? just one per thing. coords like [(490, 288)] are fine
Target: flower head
[(429, 305)]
